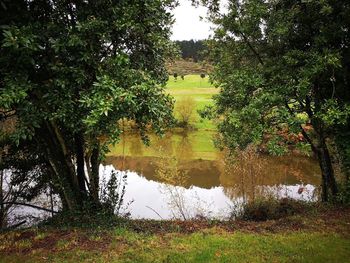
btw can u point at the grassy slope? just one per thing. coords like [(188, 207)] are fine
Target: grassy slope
[(197, 88)]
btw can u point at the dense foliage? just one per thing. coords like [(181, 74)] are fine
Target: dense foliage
[(191, 49), (71, 70), (283, 67)]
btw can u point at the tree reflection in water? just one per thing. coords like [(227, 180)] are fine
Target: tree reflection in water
[(184, 161), (250, 175)]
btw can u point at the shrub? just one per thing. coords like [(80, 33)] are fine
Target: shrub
[(202, 75), (269, 208), (112, 193), (110, 211), (343, 196), (185, 109)]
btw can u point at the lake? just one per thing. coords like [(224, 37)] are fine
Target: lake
[(183, 175)]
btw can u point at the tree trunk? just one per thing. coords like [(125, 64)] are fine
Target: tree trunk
[(320, 148), (94, 175), (79, 145), (68, 166), (62, 165), (328, 178), (2, 206), (55, 185)]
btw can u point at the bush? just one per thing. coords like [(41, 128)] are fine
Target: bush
[(268, 209), (107, 213), (88, 217), (112, 193), (185, 109), (343, 196)]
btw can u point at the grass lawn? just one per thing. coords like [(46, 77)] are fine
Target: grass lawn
[(190, 81), (201, 90), (319, 234), (207, 245), (199, 247)]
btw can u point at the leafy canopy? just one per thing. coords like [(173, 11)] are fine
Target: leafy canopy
[(280, 65), (84, 64)]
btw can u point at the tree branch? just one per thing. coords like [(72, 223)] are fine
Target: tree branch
[(246, 40), (7, 114), (30, 205), (251, 47), (303, 132), (16, 225)]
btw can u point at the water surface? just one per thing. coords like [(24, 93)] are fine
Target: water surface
[(183, 175)]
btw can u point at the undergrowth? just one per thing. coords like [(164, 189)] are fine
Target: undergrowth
[(262, 209)]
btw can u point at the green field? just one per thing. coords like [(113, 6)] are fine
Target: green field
[(190, 82), (205, 246), (198, 142), (201, 90)]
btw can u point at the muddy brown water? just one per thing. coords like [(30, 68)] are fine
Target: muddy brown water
[(183, 175), (191, 178)]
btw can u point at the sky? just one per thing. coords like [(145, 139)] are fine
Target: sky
[(188, 24)]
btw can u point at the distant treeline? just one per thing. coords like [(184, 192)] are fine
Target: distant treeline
[(191, 49)]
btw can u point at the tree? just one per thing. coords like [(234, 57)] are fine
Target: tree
[(283, 65), (175, 76), (70, 70), (191, 49)]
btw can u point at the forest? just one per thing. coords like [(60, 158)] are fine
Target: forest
[(191, 49)]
